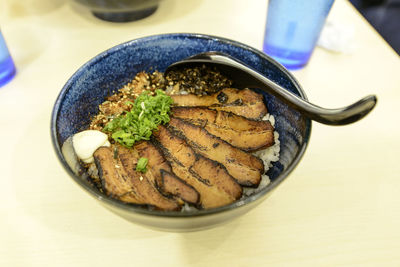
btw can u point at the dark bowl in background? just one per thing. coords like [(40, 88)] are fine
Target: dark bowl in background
[(110, 70), (121, 10)]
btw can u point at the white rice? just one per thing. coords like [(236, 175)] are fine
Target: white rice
[(268, 155)]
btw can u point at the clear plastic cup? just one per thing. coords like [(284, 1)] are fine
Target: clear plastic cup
[(7, 67), (293, 28)]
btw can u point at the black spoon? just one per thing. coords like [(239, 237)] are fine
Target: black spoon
[(245, 77)]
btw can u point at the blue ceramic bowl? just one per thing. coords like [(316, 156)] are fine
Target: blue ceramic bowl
[(109, 71)]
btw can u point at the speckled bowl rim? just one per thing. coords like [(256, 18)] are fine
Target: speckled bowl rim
[(175, 214)]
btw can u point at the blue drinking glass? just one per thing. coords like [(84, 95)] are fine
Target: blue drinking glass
[(7, 67), (293, 28)]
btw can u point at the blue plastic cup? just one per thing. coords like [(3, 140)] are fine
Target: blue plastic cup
[(7, 67), (293, 28)]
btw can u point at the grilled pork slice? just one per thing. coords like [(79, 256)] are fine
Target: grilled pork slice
[(215, 186), (142, 182), (242, 166), (246, 102), (173, 185), (165, 181), (248, 135), (115, 181), (156, 159), (121, 177)]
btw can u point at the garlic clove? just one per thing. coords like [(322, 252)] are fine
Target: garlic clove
[(86, 142)]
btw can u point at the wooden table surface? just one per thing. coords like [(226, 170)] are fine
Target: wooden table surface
[(340, 207)]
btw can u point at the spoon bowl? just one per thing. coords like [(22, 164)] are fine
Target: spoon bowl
[(246, 77)]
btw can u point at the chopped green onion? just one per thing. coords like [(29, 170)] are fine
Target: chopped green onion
[(141, 165), (147, 113)]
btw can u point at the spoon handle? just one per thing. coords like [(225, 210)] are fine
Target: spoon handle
[(248, 77), (338, 116)]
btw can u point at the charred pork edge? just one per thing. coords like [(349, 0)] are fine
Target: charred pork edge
[(165, 150), (246, 184), (218, 164), (250, 149), (157, 186), (155, 189), (216, 110), (183, 182), (181, 135), (205, 122), (102, 181)]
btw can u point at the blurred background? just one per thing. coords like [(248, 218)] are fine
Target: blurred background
[(384, 16)]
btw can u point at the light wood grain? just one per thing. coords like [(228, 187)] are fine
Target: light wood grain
[(340, 207)]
